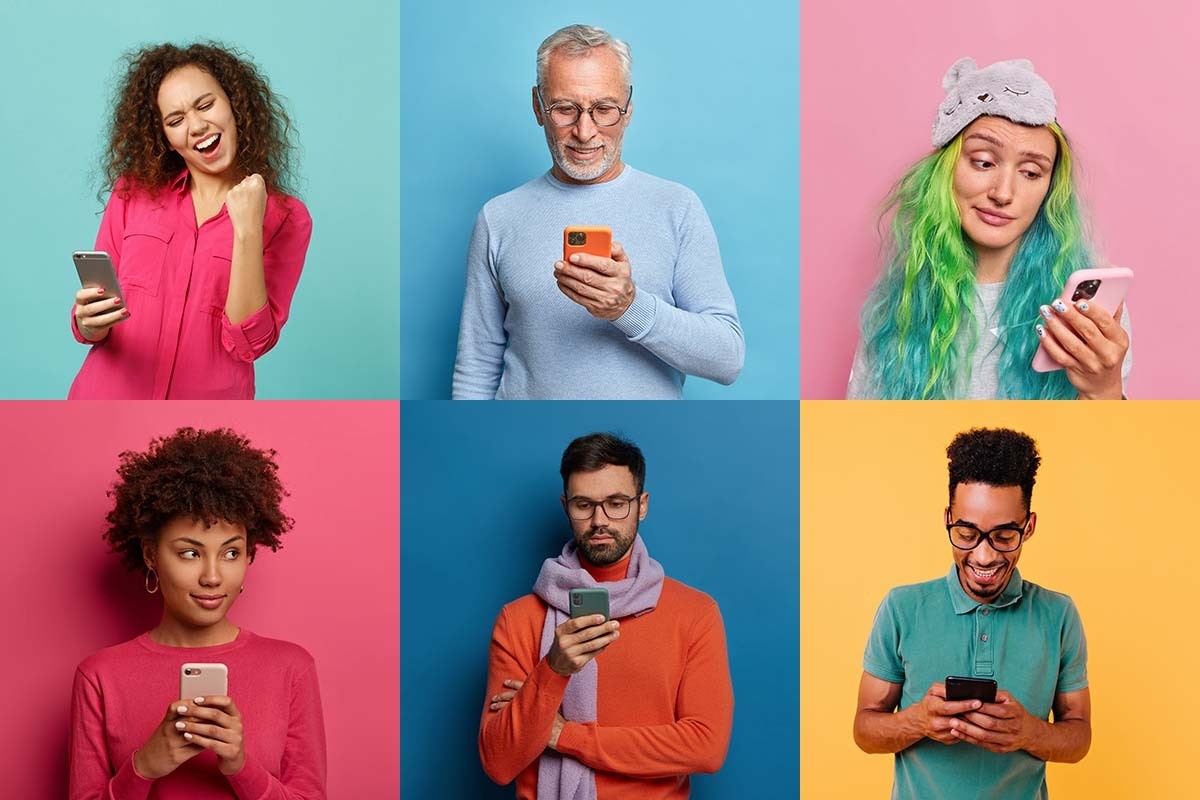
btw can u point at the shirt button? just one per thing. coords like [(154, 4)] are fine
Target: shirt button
[(987, 611), (983, 638), (247, 357)]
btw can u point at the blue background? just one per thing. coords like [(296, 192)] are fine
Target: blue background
[(480, 512), (716, 108), (337, 65)]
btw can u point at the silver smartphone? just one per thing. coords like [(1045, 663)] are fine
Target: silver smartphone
[(95, 269), (203, 680)]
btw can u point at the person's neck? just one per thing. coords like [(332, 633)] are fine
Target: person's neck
[(174, 633), (991, 266), (210, 188), (617, 571)]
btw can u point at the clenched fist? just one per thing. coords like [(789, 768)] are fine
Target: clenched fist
[(246, 204)]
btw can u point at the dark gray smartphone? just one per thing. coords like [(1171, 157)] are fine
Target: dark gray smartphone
[(585, 602), (95, 269), (960, 688)]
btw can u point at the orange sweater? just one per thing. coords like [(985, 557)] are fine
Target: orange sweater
[(664, 701)]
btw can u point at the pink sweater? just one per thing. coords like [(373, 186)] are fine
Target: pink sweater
[(177, 342), (121, 695)]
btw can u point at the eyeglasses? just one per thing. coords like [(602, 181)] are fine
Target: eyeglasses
[(614, 507), (1003, 539), (565, 113)]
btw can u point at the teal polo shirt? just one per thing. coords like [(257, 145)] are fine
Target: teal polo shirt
[(1029, 640)]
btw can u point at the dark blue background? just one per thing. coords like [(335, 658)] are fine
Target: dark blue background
[(480, 511)]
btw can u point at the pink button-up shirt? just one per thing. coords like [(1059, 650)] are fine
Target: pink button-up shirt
[(177, 341)]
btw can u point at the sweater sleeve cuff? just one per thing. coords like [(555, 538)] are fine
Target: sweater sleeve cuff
[(250, 338), (572, 738), (128, 785), (545, 677), (252, 781), (638, 319)]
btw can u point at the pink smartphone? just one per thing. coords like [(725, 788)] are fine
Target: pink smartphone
[(203, 680), (1105, 287)]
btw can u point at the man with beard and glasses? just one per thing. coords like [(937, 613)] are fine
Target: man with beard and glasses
[(981, 620), (584, 708), (629, 326)]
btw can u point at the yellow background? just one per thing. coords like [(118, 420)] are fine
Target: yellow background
[(1118, 530)]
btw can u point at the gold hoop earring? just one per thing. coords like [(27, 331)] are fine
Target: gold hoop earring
[(148, 589)]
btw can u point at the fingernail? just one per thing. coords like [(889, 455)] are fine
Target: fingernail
[(1059, 306), (199, 699), (575, 259), (976, 704), (100, 290), (1046, 312), (187, 736), (180, 725), (1082, 305), (182, 709), (116, 301), (1041, 330), (616, 634), (125, 312)]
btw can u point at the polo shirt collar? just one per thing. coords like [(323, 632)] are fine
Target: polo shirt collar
[(965, 604)]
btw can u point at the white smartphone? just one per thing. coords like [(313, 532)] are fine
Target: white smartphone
[(1105, 287), (95, 269), (203, 680)]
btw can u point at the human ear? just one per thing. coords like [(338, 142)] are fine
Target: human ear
[(643, 506)]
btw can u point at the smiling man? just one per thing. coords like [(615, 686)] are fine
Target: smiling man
[(982, 620), (587, 708), (631, 325)]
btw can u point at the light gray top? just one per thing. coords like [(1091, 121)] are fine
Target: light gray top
[(983, 383)]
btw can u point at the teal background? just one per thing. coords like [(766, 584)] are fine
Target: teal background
[(336, 65), (716, 103)]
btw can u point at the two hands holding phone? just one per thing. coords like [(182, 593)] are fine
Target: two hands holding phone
[(973, 711), (576, 642), (195, 724)]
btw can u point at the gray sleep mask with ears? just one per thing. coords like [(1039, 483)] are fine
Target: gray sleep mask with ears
[(1009, 89)]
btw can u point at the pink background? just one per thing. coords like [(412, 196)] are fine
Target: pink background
[(1126, 81), (333, 588)]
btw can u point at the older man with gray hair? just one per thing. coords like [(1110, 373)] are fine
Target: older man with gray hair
[(631, 324)]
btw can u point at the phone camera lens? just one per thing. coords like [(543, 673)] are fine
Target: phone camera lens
[(576, 600), (576, 238), (1086, 290)]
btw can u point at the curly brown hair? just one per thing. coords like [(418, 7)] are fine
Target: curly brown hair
[(137, 147), (207, 476)]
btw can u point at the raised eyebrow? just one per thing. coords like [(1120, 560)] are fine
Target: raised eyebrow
[(1041, 158)]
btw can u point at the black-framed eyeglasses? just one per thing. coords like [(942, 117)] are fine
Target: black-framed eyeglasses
[(565, 113), (1003, 539), (615, 507)]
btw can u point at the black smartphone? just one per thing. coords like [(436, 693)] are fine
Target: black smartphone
[(960, 688), (585, 602)]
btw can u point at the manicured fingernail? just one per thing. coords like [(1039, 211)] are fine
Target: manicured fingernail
[(99, 290), (1082, 305), (1059, 306), (180, 725), (182, 709), (116, 301), (187, 736), (199, 699), (1046, 312), (1041, 330), (125, 312)]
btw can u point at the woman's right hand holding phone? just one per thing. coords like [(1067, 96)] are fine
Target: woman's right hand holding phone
[(96, 312), (1089, 343), (166, 748)]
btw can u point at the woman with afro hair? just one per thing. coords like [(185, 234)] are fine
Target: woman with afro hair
[(205, 238), (983, 230), (189, 514)]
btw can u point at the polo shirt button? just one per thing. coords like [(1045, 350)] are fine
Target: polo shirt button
[(983, 638), (987, 611)]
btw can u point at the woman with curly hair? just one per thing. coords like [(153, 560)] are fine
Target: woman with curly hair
[(983, 230), (189, 514), (207, 243)]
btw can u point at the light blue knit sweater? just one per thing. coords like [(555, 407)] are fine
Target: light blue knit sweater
[(521, 338)]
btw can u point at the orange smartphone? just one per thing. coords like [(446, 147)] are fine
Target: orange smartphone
[(594, 240)]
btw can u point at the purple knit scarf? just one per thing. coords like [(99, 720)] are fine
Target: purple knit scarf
[(562, 777)]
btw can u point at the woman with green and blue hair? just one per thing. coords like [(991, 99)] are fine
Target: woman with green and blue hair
[(983, 230)]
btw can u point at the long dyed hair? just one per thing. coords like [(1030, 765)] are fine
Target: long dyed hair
[(919, 331)]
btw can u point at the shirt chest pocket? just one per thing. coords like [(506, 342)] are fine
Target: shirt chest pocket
[(143, 257)]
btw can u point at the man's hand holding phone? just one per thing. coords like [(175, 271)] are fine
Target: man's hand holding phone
[(1001, 727), (578, 641), (934, 715), (603, 286)]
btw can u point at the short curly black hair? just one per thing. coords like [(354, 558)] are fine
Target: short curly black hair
[(995, 456), (209, 476)]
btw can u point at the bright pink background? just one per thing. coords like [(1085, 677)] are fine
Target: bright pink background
[(333, 588), (1126, 81)]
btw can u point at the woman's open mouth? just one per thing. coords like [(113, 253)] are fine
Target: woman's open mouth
[(209, 146)]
